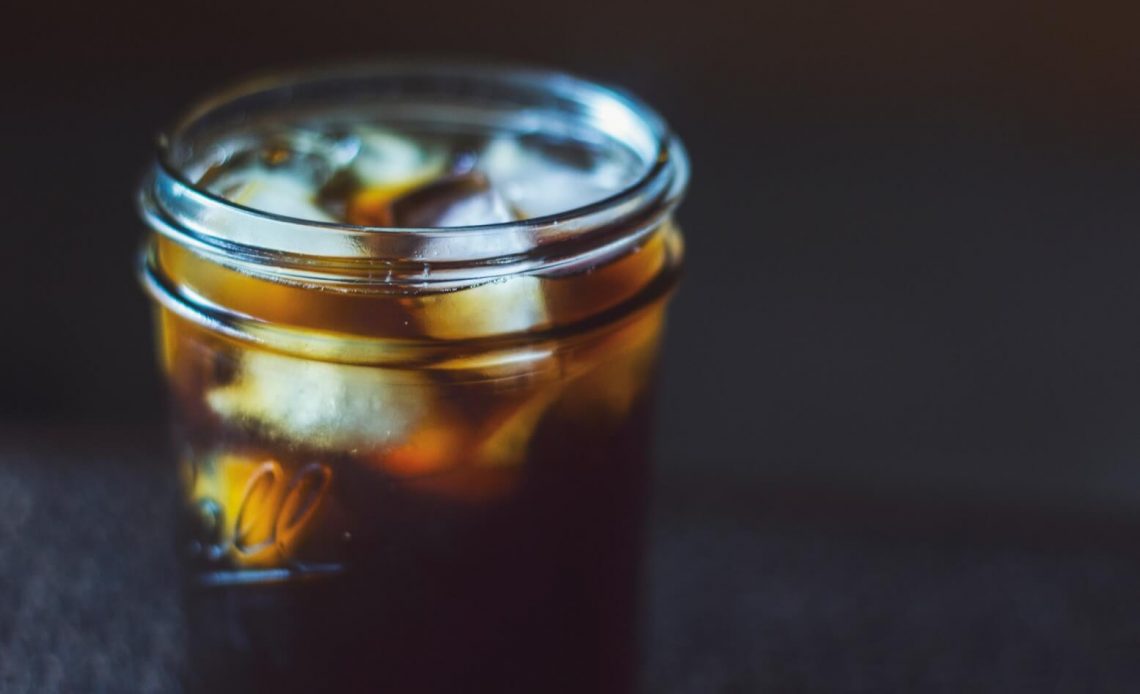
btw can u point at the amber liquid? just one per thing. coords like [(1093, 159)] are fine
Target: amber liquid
[(465, 520)]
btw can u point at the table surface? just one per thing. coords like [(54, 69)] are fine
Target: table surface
[(748, 589)]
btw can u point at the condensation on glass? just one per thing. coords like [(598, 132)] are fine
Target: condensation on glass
[(409, 317)]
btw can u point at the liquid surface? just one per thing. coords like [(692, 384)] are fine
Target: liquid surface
[(412, 176)]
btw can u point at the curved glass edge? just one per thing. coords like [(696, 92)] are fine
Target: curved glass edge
[(345, 348), (174, 206)]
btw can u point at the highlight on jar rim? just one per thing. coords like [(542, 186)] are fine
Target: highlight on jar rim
[(518, 161)]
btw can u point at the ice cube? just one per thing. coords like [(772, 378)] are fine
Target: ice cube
[(384, 158), (282, 192), (385, 166), (496, 307), (606, 376), (279, 191), (505, 443), (494, 435), (280, 172), (431, 448), (540, 178), (473, 461), (513, 304), (454, 201), (325, 405), (502, 306), (316, 153)]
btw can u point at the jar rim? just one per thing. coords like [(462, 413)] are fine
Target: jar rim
[(177, 206)]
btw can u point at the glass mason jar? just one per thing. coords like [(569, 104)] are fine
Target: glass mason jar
[(413, 455)]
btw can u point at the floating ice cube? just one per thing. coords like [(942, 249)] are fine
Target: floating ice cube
[(476, 459), (321, 404), (454, 201), (385, 165), (542, 178), (504, 306), (385, 158), (606, 376), (278, 191), (505, 444), (280, 172), (281, 192)]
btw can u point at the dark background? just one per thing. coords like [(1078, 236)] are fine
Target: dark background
[(909, 308)]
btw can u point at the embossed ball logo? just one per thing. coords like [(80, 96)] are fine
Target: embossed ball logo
[(274, 511), (268, 517)]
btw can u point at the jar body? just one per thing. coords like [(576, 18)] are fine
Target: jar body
[(413, 459), (466, 519)]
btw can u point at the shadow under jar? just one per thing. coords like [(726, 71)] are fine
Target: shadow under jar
[(409, 317)]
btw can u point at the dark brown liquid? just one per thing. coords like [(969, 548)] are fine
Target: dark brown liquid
[(533, 592), (459, 514)]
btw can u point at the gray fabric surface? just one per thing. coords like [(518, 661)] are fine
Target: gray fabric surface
[(744, 594)]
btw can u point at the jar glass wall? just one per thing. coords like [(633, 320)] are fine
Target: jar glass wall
[(413, 452)]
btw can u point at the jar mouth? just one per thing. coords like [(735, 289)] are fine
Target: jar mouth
[(176, 205)]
